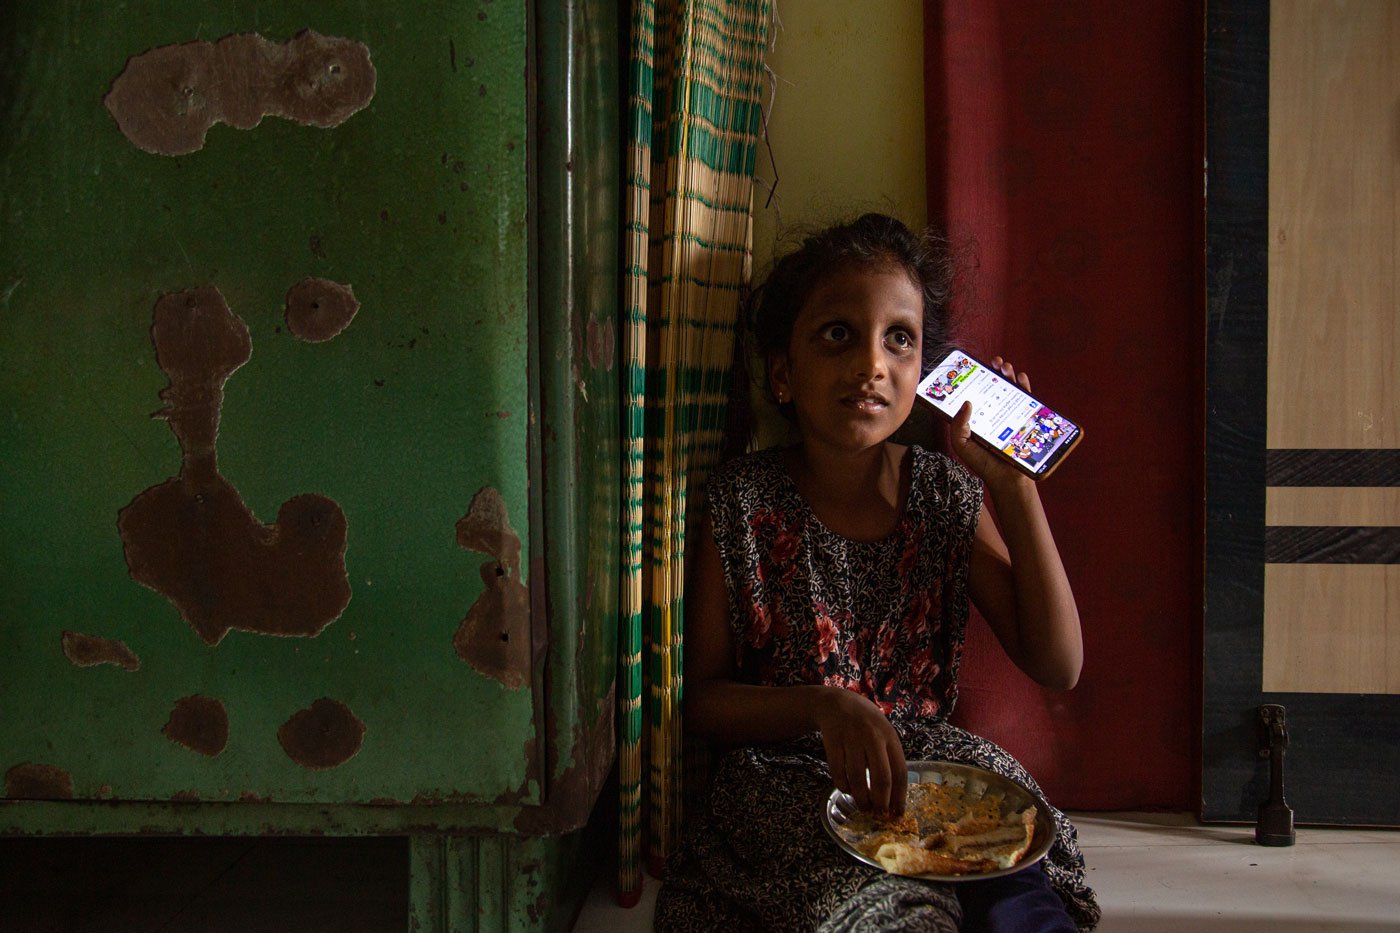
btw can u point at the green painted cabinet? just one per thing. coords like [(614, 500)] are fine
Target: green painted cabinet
[(309, 422)]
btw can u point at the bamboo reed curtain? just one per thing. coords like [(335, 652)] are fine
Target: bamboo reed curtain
[(695, 83)]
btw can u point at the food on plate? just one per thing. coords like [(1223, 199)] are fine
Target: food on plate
[(957, 827)]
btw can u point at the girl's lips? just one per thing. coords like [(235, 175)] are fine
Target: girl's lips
[(865, 403)]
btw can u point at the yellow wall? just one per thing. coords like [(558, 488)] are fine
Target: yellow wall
[(846, 126), (847, 121)]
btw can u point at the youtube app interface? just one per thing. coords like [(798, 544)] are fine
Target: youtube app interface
[(1002, 414)]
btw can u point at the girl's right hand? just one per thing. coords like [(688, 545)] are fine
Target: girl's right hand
[(988, 467), (859, 740)]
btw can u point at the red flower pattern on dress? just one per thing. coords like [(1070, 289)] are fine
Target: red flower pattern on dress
[(826, 636), (760, 624), (922, 667), (873, 617), (785, 547), (913, 542), (916, 619), (885, 646), (845, 683), (783, 540)]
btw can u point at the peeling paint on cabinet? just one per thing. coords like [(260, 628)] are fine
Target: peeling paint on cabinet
[(472, 202), (166, 99)]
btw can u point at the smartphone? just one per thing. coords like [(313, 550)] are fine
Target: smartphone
[(1031, 435)]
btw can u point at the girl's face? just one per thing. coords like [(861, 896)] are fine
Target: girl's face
[(852, 364)]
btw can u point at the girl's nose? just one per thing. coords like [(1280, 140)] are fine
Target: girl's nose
[(870, 361)]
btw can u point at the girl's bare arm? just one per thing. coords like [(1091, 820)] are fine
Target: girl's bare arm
[(1020, 587), (1018, 582), (856, 735)]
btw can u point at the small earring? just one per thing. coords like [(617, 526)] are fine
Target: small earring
[(782, 398)]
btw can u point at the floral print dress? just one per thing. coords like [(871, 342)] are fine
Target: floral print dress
[(883, 618)]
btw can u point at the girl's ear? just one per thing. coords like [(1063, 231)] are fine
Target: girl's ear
[(778, 378)]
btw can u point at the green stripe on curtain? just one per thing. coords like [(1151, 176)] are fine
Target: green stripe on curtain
[(694, 113)]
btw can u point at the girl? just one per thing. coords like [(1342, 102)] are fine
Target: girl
[(826, 610)]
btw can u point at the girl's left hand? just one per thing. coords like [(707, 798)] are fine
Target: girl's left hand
[(988, 466)]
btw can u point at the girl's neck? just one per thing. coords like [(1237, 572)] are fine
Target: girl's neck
[(858, 495)]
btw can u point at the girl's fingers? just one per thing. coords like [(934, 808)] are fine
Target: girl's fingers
[(836, 762), (1009, 371), (881, 784), (899, 777), (962, 422), (855, 781), (851, 779), (858, 773)]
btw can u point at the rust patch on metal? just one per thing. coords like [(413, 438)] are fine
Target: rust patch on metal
[(199, 723), (571, 797), (185, 796), (319, 309), (494, 638), (31, 781), (249, 797), (166, 99), (514, 796), (191, 538), (92, 650), (540, 907), (323, 736), (601, 342)]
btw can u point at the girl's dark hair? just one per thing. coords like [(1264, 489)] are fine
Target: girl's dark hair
[(871, 241)]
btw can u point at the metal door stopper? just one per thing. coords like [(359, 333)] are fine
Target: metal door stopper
[(1275, 826)]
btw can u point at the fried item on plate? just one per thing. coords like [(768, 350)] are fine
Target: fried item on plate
[(953, 828), (902, 859), (868, 831), (1004, 844), (961, 854), (955, 808), (862, 823)]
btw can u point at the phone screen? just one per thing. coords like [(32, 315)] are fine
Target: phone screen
[(1031, 434)]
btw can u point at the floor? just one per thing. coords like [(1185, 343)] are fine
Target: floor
[(1155, 873), (1165, 873)]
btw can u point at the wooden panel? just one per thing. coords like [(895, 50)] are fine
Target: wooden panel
[(1332, 628), (1333, 335), (1326, 505), (1344, 748)]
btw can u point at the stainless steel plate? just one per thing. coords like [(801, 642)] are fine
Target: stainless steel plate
[(840, 808)]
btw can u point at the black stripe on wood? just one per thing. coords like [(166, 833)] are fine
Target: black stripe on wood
[(1237, 251), (1302, 544), (1333, 468)]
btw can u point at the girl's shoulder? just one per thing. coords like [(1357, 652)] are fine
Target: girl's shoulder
[(934, 464), (755, 482), (941, 481), (756, 470)]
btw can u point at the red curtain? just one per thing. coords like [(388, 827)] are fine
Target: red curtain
[(1065, 159)]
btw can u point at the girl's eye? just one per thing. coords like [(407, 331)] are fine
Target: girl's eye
[(902, 339), (836, 333)]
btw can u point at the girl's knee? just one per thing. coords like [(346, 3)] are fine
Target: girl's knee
[(1020, 903)]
